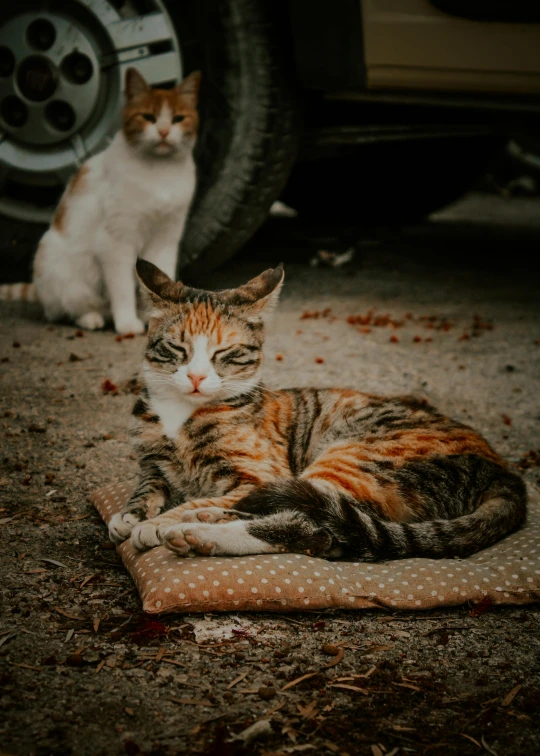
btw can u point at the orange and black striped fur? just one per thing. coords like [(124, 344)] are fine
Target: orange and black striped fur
[(229, 467)]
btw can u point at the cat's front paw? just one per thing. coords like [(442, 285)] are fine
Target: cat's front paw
[(129, 325), (120, 526), (146, 535)]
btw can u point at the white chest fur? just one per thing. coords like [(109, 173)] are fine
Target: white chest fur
[(141, 187), (172, 414)]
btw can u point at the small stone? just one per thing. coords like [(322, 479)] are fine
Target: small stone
[(35, 428), (75, 660), (90, 655), (329, 649), (267, 692)]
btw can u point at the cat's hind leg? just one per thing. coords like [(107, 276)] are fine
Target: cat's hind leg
[(228, 539), (211, 515), (68, 282), (278, 533), (150, 533)]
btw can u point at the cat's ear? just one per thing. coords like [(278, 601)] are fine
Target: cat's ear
[(190, 87), (135, 84), (259, 296), (156, 284)]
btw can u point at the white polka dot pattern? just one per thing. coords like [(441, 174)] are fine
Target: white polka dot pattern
[(507, 573)]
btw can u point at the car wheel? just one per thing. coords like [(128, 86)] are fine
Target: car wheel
[(61, 81)]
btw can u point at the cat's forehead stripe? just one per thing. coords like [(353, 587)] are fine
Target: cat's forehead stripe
[(214, 322), (158, 99), (203, 318)]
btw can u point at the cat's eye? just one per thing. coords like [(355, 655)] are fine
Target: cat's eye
[(177, 118), (177, 348), (237, 355), (149, 117)]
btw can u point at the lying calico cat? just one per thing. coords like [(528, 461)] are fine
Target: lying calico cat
[(329, 472), (132, 199)]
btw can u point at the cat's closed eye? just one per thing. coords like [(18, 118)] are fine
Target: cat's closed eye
[(179, 349), (177, 118), (237, 355), (150, 117)]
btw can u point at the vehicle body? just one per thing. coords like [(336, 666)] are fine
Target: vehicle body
[(366, 111)]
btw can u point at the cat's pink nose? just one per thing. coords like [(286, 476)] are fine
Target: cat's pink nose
[(163, 133), (196, 380)]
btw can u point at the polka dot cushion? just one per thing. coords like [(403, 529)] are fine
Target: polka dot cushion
[(507, 573)]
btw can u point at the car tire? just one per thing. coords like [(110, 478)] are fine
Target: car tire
[(249, 136)]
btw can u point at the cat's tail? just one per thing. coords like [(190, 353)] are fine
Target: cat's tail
[(358, 533), (18, 292)]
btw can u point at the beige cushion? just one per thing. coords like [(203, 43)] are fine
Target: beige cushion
[(507, 573)]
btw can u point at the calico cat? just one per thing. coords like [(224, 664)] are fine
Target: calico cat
[(130, 200), (229, 467)]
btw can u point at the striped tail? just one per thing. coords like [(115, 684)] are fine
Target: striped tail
[(297, 513), (18, 292)]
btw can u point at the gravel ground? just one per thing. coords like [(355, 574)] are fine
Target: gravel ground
[(449, 312)]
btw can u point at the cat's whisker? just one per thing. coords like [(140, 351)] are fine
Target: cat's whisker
[(263, 389)]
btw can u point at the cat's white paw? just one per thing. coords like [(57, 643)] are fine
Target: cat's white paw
[(91, 321), (187, 540), (120, 526), (229, 539), (129, 325), (148, 534), (208, 515)]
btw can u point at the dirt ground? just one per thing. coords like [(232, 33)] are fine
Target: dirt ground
[(83, 671)]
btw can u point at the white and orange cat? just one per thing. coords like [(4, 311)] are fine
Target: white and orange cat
[(129, 201)]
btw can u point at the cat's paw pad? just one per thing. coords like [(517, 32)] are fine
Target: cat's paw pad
[(129, 325), (120, 526), (208, 515), (188, 540), (146, 535), (91, 321)]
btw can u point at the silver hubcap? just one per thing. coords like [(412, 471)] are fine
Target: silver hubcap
[(61, 80)]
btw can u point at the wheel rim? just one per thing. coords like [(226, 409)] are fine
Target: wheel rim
[(61, 81)]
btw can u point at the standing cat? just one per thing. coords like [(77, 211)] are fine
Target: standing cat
[(330, 472), (130, 200)]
